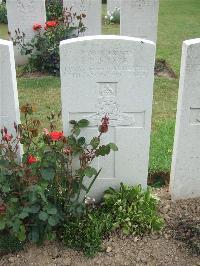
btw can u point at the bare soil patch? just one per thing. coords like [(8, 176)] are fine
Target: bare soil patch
[(176, 245), (163, 69)]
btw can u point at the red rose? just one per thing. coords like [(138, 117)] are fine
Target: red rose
[(37, 26), (50, 24), (56, 135), (32, 159), (7, 137)]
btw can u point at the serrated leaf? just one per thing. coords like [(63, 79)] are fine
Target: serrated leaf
[(90, 171), (43, 216), (103, 150), (48, 173), (113, 146), (95, 142), (83, 123)]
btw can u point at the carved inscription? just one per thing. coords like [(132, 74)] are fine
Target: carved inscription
[(141, 3)]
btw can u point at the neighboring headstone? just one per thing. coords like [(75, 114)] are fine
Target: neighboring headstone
[(139, 18), (111, 75), (185, 170), (92, 10), (22, 15), (9, 104), (112, 4)]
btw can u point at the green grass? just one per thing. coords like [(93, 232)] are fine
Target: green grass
[(178, 21)]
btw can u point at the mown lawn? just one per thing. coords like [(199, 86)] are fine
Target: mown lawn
[(178, 21)]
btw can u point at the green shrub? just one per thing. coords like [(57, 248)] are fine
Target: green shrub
[(129, 209), (43, 50), (3, 13)]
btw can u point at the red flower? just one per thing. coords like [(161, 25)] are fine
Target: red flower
[(103, 128), (50, 24), (37, 26), (32, 159), (7, 137), (56, 135)]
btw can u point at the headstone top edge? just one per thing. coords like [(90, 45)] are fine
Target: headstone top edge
[(191, 42), (106, 37), (5, 42)]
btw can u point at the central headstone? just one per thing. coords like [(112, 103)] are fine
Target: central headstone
[(9, 105), (92, 10), (22, 15), (139, 18), (111, 75)]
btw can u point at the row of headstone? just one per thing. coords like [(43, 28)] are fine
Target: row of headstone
[(138, 18), (114, 75)]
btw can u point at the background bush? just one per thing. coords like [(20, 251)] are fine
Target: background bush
[(3, 13)]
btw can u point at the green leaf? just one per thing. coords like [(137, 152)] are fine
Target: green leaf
[(43, 216), (2, 224), (52, 221), (95, 142), (76, 130), (34, 209), (113, 146), (34, 235), (73, 122), (52, 210), (103, 150), (22, 233), (81, 141), (90, 171), (83, 123), (48, 173), (23, 215)]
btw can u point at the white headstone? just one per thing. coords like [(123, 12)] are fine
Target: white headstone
[(185, 170), (111, 75), (92, 10), (112, 4), (9, 105), (139, 18), (22, 15)]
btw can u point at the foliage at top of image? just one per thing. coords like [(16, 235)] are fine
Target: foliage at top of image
[(3, 13), (43, 49), (54, 9), (40, 193)]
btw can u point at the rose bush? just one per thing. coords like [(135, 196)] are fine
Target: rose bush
[(43, 50), (44, 190)]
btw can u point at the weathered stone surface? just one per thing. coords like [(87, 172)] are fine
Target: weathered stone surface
[(185, 170), (111, 75), (92, 10), (139, 18), (22, 15), (112, 4), (9, 105)]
